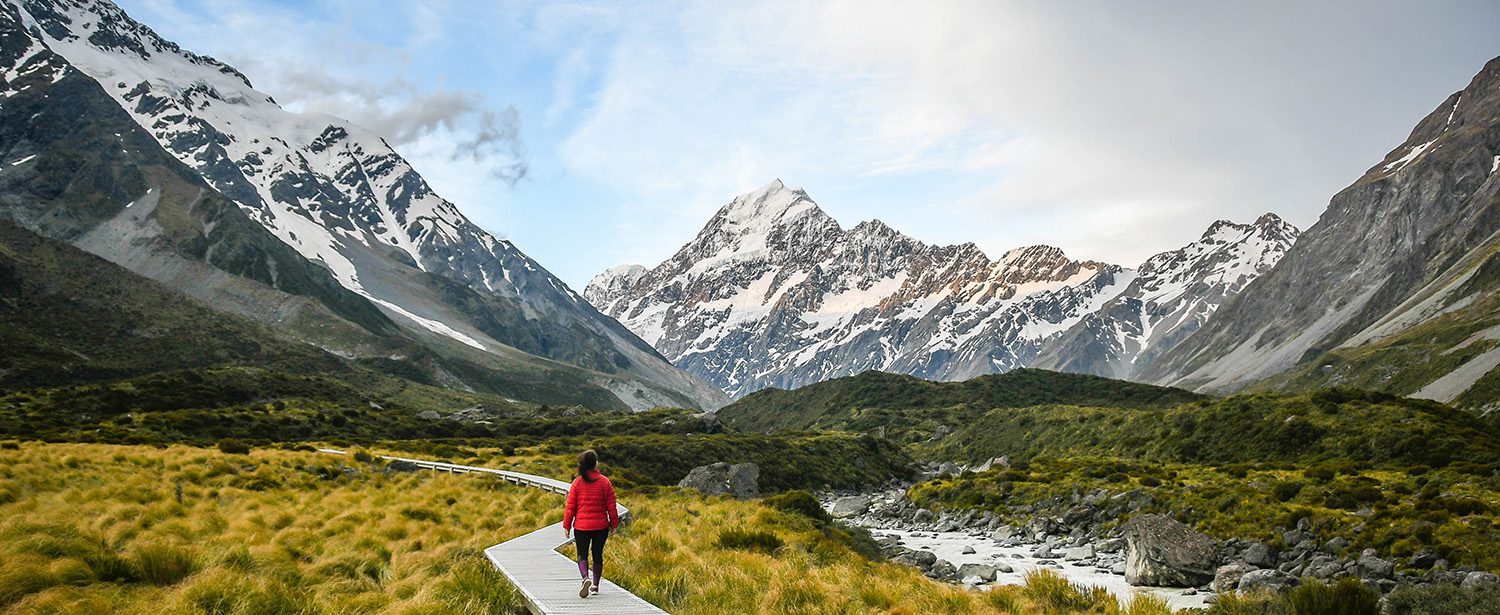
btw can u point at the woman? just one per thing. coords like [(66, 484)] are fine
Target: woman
[(590, 518)]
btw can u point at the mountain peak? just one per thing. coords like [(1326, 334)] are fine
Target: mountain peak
[(765, 206)]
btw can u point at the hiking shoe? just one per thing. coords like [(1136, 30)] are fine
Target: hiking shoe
[(584, 591), (595, 590)]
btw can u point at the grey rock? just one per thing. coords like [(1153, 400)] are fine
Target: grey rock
[(429, 415), (1160, 551), (1422, 560), (851, 506), (1371, 567), (968, 550), (1259, 555), (1227, 578), (1480, 580), (740, 480), (1079, 553), (1005, 568), (942, 570), (983, 571), (1336, 544), (1266, 580)]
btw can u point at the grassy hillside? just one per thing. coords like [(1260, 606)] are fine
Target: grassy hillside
[(1370, 429), (856, 403)]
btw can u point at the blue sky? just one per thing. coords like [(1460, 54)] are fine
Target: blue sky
[(1114, 130)]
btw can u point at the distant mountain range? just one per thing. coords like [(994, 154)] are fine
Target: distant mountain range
[(1393, 290), (774, 293), (171, 165)]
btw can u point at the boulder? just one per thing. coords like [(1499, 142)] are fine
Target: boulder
[(983, 571), (1266, 580), (1422, 560), (1003, 533), (1259, 555), (919, 559), (429, 415), (1160, 551), (1371, 567), (1079, 553), (852, 506), (1005, 568), (942, 570), (1480, 579), (1227, 578), (968, 550), (740, 480), (948, 468)]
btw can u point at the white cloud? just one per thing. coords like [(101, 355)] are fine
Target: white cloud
[(1115, 130)]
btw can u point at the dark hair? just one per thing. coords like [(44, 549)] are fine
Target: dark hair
[(587, 460)]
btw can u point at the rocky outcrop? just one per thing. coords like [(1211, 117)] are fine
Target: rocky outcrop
[(1160, 551), (741, 480)]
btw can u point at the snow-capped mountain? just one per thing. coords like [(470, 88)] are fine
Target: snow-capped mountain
[(773, 292), (1172, 295), (342, 198)]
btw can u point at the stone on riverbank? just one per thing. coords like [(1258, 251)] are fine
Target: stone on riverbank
[(1163, 552)]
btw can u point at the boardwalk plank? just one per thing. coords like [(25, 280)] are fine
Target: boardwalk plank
[(547, 580)]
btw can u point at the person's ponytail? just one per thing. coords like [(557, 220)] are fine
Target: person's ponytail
[(587, 461)]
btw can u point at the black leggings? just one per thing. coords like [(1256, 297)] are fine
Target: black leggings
[(591, 542)]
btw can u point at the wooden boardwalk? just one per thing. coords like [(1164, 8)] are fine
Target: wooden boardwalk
[(546, 579)]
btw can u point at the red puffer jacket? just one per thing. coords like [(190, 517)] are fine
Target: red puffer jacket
[(591, 504)]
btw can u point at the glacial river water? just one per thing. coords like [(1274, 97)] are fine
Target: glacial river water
[(950, 545)]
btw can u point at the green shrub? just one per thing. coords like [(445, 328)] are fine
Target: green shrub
[(799, 502), (1150, 481), (10, 446), (230, 446), (1441, 599), (748, 540), (1347, 597), (1321, 474), (1286, 490), (363, 456)]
